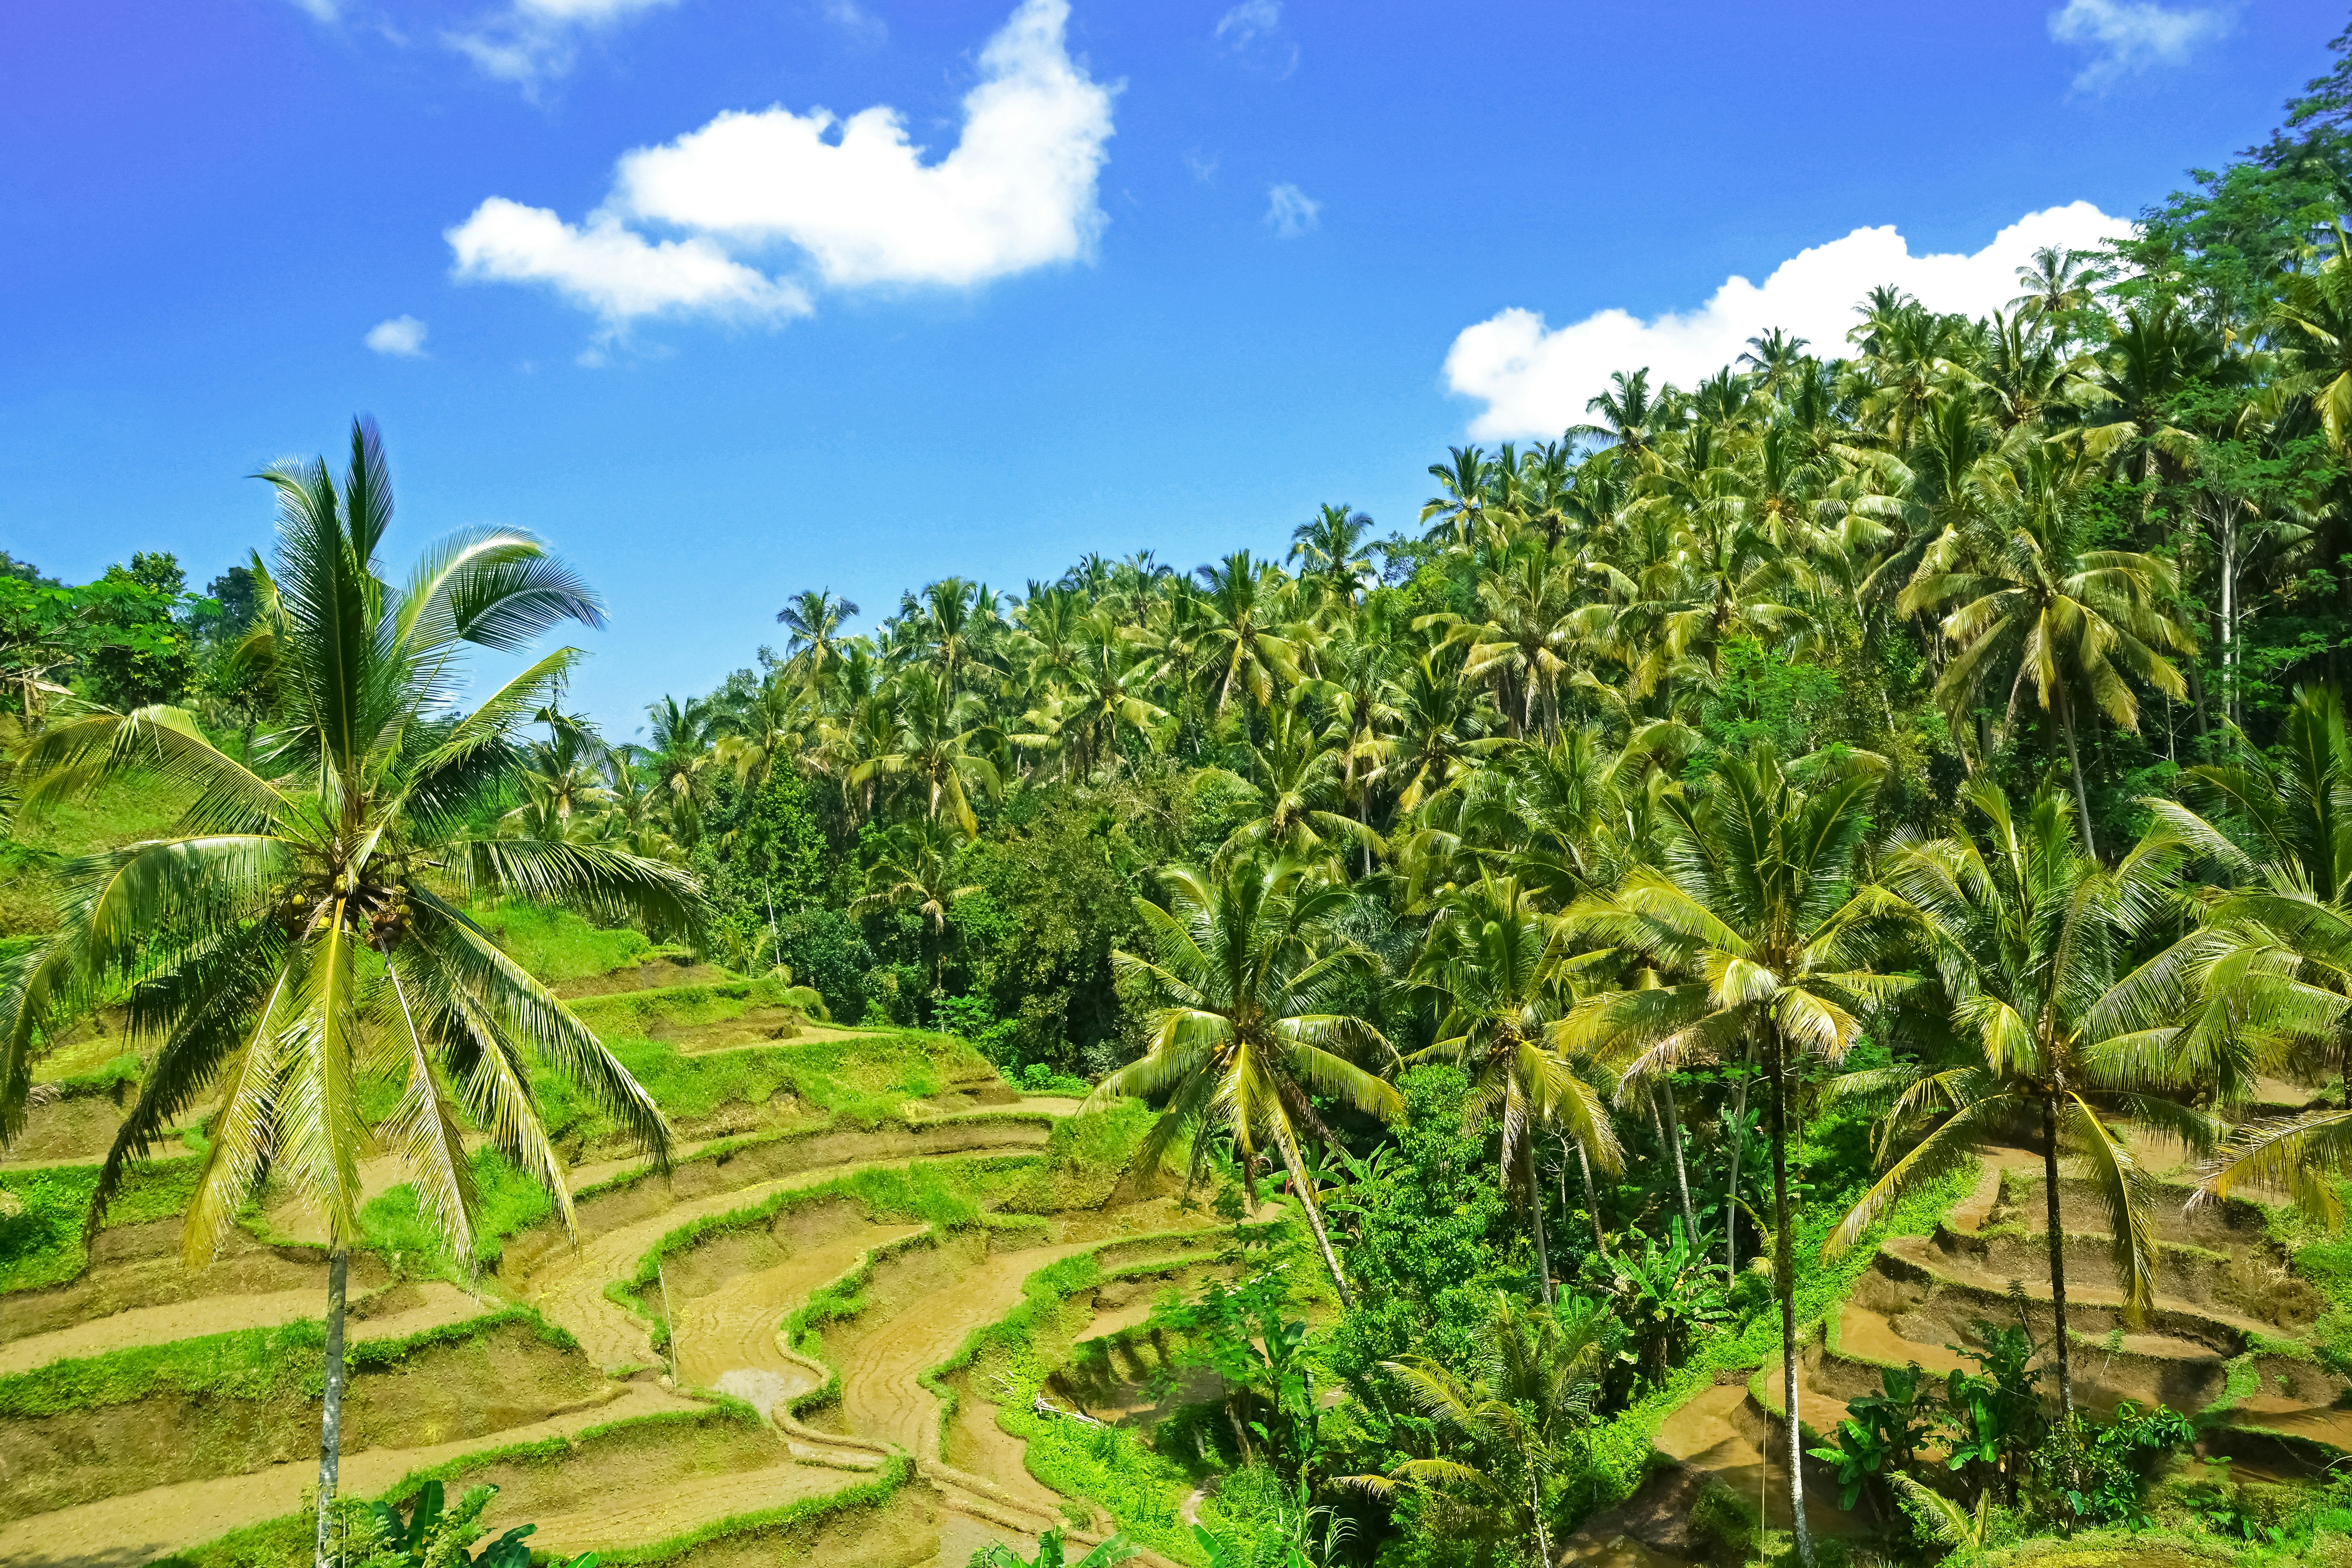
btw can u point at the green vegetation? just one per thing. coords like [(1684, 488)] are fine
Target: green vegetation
[(1612, 918), (249, 1363), (557, 944), (41, 1238)]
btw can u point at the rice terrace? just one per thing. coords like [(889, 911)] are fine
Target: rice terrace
[(1749, 963)]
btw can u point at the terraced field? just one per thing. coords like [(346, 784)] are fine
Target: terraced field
[(741, 1359), (2228, 1340)]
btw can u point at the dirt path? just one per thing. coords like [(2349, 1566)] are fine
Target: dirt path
[(442, 1304), (879, 1364), (125, 1532), (726, 1340)]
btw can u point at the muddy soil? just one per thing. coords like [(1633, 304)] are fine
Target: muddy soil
[(127, 1531), (568, 1285), (729, 1299), (135, 1266), (922, 1304), (394, 1313), (506, 1378)]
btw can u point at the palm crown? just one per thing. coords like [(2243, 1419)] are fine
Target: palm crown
[(307, 927)]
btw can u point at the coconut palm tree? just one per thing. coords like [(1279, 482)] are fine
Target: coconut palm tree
[(682, 757), (1247, 648), (1761, 916), (936, 748), (918, 870), (2034, 606), (2315, 312), (814, 618), (1632, 417), (1490, 958), (1239, 990), (1330, 549), (1460, 505), (305, 928), (1510, 1422), (1300, 779), (2031, 938)]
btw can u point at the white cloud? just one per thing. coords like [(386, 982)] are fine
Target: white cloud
[(1251, 32), (320, 10), (612, 270), (1535, 380), (1016, 193), (1250, 20), (861, 27), (1202, 167), (852, 200), (1291, 212), (534, 40), (2128, 36), (402, 336)]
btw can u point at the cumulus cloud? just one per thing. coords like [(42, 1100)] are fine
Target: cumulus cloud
[(533, 41), (401, 337), (1291, 212), (2128, 36), (848, 203), (606, 268), (1535, 380), (855, 196)]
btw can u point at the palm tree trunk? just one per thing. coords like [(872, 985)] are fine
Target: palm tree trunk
[(331, 1424), (2057, 1258), (1535, 1208), (1662, 1094), (1298, 1167), (1591, 1198), (1784, 1284), (2074, 759), (1731, 1188)]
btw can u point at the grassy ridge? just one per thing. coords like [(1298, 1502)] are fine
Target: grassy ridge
[(556, 944), (943, 1195), (246, 1363), (864, 1081), (41, 1244), (1142, 1491), (286, 1541)]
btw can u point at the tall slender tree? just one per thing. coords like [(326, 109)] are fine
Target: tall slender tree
[(239, 940)]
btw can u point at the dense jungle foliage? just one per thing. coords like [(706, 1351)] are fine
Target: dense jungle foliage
[(1607, 904)]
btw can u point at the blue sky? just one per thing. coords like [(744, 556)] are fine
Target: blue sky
[(1163, 275)]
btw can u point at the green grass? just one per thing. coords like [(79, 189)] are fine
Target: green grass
[(2324, 1259), (120, 812), (246, 1364), (507, 1203), (42, 1243), (1086, 1156), (557, 945), (865, 1080)]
